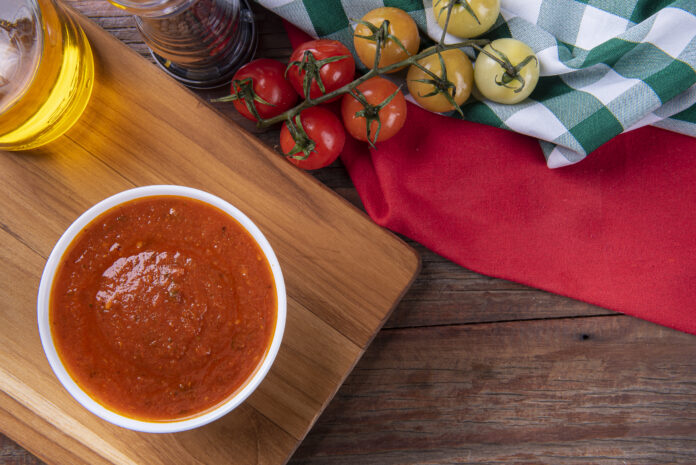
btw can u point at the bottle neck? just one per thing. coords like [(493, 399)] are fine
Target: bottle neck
[(153, 8)]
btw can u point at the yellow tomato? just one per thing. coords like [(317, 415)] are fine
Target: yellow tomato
[(401, 26), (493, 81), (457, 75), (469, 18)]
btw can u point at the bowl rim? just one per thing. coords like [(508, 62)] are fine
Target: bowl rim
[(46, 283)]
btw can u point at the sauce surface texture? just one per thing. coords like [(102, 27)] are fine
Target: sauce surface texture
[(162, 308)]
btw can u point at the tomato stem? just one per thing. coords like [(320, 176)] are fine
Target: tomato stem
[(303, 143), (244, 90), (450, 5), (380, 35), (371, 112), (440, 84), (512, 72), (311, 66)]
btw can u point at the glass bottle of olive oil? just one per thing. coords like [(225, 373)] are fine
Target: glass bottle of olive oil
[(46, 73)]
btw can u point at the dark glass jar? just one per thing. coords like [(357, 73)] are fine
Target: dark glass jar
[(199, 42)]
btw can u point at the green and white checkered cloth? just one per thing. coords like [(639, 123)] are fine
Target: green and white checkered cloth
[(607, 66)]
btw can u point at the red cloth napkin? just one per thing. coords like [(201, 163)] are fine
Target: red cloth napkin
[(616, 230)]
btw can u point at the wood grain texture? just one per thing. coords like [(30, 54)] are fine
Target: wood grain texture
[(410, 400), (140, 128), (604, 390)]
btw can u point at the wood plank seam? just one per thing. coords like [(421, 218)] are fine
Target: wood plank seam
[(519, 320)]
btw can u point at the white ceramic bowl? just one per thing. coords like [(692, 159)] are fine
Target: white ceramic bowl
[(47, 339)]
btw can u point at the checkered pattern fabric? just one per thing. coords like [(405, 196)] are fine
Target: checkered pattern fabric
[(607, 66)]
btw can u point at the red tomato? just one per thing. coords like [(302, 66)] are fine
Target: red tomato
[(322, 136), (333, 74), (267, 78), (391, 116)]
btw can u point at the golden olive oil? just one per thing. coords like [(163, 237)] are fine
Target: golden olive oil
[(58, 91)]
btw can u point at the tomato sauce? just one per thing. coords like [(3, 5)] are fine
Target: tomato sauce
[(162, 308)]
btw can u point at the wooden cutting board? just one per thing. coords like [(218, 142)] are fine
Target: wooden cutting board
[(344, 274)]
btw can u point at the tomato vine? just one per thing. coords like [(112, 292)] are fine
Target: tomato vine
[(439, 83), (375, 71)]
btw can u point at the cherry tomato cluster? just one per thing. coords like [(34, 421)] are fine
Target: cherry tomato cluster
[(373, 109), (505, 71), (265, 88)]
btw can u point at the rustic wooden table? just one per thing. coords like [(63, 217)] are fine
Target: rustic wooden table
[(471, 369)]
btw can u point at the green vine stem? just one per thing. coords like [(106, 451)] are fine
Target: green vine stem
[(375, 71)]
